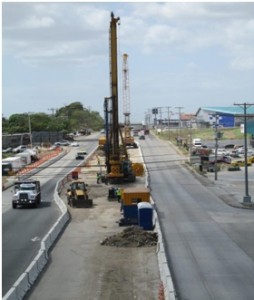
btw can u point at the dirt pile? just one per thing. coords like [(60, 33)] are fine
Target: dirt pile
[(133, 236)]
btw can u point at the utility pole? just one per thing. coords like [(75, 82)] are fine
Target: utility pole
[(180, 125), (168, 107), (52, 111), (30, 130), (245, 106), (216, 147)]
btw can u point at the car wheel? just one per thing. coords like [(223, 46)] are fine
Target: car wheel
[(14, 205)]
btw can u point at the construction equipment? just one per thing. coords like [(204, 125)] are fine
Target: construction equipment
[(26, 193), (128, 138), (119, 167), (130, 198), (77, 195)]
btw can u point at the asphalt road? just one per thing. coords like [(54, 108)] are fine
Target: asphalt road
[(24, 228), (209, 244)]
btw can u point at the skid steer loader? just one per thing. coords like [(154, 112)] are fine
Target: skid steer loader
[(77, 195)]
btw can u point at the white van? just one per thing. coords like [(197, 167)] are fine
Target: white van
[(197, 143)]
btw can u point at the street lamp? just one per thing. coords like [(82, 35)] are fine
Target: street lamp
[(30, 130), (247, 197)]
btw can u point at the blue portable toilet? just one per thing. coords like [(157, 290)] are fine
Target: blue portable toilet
[(145, 215)]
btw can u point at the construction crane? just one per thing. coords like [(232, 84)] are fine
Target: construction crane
[(119, 167), (128, 139)]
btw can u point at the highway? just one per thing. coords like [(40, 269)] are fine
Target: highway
[(209, 245), (24, 228)]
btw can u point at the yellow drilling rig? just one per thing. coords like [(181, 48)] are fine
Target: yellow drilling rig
[(119, 166)]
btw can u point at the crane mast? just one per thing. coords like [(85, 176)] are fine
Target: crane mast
[(128, 139), (126, 91), (119, 167), (114, 86)]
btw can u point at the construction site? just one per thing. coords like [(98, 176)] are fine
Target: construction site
[(110, 248)]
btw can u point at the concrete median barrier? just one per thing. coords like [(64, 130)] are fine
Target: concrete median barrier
[(22, 285), (41, 259), (32, 272), (46, 243), (11, 295)]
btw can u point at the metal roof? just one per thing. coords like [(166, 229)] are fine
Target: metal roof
[(231, 110)]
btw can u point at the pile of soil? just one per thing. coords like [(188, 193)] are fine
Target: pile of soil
[(133, 236)]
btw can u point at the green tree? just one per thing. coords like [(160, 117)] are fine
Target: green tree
[(69, 118)]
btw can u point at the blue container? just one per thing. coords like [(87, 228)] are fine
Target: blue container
[(130, 213), (145, 215)]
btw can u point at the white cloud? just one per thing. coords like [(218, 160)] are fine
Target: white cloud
[(35, 22), (210, 43), (93, 18)]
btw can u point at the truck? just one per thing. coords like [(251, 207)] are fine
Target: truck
[(26, 193), (25, 157), (16, 163)]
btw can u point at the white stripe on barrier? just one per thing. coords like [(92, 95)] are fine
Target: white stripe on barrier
[(41, 259), (11, 295), (46, 243), (22, 285), (32, 272), (53, 233)]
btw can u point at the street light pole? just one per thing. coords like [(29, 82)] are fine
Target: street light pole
[(180, 123), (216, 148), (247, 197), (30, 130)]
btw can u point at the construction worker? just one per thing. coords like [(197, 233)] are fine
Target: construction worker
[(98, 177), (118, 194)]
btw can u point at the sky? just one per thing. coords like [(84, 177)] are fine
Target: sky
[(180, 54)]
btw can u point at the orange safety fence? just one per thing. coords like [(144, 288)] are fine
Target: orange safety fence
[(43, 159), (161, 295)]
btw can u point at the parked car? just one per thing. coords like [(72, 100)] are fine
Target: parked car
[(229, 146), (75, 144), (62, 143), (240, 163), (54, 147), (142, 137), (19, 149), (7, 150)]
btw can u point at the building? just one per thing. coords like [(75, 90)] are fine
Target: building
[(230, 116)]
